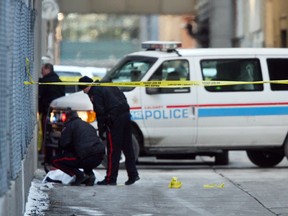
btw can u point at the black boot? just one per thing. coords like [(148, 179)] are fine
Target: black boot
[(132, 180), (80, 179), (91, 180), (106, 182)]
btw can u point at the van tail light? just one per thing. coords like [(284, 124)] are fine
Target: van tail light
[(63, 117), (88, 116)]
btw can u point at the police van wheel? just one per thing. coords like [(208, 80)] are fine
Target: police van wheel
[(265, 158), (222, 158), (136, 149)]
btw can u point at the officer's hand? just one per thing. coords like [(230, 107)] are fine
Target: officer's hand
[(109, 122)]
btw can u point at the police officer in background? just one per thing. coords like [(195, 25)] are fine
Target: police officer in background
[(81, 148), (113, 118), (46, 94)]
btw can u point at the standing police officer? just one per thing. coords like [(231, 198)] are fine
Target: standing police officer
[(113, 118)]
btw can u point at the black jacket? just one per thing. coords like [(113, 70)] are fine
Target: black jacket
[(80, 138), (108, 103), (47, 93)]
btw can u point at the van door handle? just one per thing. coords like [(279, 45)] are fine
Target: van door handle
[(193, 111)]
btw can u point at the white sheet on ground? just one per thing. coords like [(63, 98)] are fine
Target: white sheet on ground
[(58, 175)]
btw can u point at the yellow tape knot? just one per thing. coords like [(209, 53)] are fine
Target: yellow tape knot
[(28, 82)]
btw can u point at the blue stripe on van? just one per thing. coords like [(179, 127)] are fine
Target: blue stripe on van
[(242, 111)]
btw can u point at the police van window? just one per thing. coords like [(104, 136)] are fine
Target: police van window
[(172, 70), (278, 71), (232, 70), (130, 69), (69, 76)]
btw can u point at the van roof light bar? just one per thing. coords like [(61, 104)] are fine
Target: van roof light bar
[(161, 45)]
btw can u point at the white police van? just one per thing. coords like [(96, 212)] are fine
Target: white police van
[(186, 121)]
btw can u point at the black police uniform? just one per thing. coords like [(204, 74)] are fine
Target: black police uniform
[(81, 147), (47, 93), (113, 117)]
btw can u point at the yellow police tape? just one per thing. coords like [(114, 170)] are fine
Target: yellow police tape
[(151, 84), (214, 185), (28, 68), (160, 84)]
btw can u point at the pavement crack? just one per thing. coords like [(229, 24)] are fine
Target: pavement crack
[(245, 191)]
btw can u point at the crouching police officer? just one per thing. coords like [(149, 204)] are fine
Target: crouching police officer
[(81, 148)]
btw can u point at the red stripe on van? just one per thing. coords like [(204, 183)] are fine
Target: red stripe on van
[(179, 106), (134, 108)]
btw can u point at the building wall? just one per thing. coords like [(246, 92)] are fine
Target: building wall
[(265, 25), (215, 23), (249, 23), (276, 23), (221, 21), (232, 23), (20, 55), (173, 28), (244, 23), (261, 23)]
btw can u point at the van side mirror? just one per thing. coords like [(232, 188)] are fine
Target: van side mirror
[(152, 90)]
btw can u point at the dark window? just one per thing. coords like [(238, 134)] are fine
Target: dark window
[(172, 70), (247, 70), (278, 71)]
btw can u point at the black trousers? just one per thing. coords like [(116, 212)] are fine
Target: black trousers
[(119, 137), (70, 164)]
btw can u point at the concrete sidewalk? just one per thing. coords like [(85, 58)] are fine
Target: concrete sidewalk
[(245, 192)]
